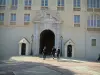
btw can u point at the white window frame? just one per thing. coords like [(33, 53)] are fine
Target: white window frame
[(2, 17), (12, 17), (44, 4), (79, 19), (3, 4), (91, 4), (76, 4), (61, 5), (93, 17), (25, 16), (15, 4), (92, 42), (27, 3)]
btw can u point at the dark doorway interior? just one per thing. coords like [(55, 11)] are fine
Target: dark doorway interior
[(47, 38), (23, 49), (69, 51)]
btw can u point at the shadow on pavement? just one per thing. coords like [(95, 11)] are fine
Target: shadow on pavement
[(21, 66)]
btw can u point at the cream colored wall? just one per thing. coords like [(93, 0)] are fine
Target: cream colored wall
[(79, 35)]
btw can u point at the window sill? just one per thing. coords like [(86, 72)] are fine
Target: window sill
[(26, 23), (60, 8), (93, 28), (77, 25), (14, 7), (44, 7), (12, 23), (2, 7), (27, 7), (93, 9), (76, 9), (1, 23)]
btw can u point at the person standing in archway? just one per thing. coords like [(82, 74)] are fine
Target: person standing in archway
[(44, 53), (58, 53), (53, 52)]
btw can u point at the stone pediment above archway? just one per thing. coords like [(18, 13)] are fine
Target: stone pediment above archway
[(47, 16)]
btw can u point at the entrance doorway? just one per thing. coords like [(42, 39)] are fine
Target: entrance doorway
[(69, 51), (47, 38), (23, 49)]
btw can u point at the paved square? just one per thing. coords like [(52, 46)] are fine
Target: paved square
[(26, 65)]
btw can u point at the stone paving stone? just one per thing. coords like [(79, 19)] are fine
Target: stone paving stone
[(38, 70), (7, 73), (38, 66)]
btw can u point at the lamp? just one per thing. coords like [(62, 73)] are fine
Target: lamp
[(31, 44), (61, 44)]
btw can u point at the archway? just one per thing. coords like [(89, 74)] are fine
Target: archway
[(69, 51), (23, 49), (47, 38)]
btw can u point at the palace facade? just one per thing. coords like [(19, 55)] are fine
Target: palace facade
[(26, 26)]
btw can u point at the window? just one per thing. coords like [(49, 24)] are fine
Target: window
[(93, 3), (2, 2), (13, 17), (60, 2), (14, 2), (60, 5), (76, 3), (76, 19), (93, 42), (26, 17), (1, 17), (28, 4), (44, 3), (94, 21)]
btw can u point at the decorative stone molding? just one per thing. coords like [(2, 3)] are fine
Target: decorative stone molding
[(44, 20)]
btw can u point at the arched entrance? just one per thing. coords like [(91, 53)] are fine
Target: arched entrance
[(69, 51), (47, 38), (23, 49)]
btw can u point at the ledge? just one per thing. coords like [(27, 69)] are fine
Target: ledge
[(93, 28), (27, 7), (76, 25), (93, 9), (26, 23), (76, 9), (1, 23)]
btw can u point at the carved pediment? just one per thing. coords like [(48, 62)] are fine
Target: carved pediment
[(47, 15)]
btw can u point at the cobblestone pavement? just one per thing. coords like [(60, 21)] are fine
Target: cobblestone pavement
[(27, 65)]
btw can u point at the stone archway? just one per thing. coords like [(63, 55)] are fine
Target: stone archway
[(47, 38), (46, 20)]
